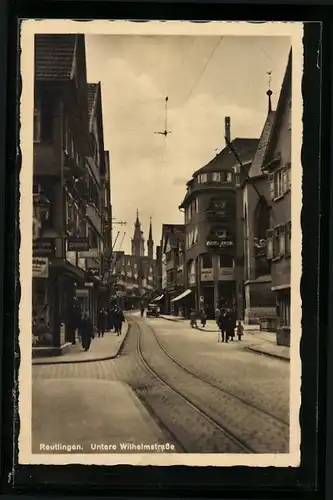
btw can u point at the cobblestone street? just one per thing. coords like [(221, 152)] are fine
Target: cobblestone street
[(211, 397)]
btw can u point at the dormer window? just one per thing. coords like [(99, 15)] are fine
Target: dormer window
[(216, 177), (202, 178)]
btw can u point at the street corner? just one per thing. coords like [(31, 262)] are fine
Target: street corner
[(111, 416)]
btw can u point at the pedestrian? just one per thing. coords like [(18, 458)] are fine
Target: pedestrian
[(101, 323), (240, 330), (111, 318), (142, 309), (193, 319), (231, 322), (222, 322), (86, 331), (119, 319), (203, 317)]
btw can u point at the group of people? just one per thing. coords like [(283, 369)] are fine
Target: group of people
[(225, 317), (108, 319)]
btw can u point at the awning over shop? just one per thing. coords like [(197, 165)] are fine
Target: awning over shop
[(160, 297), (182, 295)]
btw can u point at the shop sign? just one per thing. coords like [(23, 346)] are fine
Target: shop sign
[(43, 247), (220, 244), (82, 293), (40, 267), (207, 275), (89, 284), (77, 244), (226, 274), (93, 253)]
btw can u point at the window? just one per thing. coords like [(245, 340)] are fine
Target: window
[(269, 247), (202, 178), (197, 205), (279, 241), (216, 177), (36, 124), (228, 177), (288, 239), (206, 261), (226, 261), (280, 182)]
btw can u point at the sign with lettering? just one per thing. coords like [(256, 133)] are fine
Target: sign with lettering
[(43, 247), (220, 244), (207, 274), (77, 244), (40, 267)]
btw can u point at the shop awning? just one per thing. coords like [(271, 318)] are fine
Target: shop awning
[(182, 295), (160, 297)]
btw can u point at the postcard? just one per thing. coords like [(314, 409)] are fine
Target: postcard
[(160, 255)]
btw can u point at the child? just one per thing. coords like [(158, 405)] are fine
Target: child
[(240, 330)]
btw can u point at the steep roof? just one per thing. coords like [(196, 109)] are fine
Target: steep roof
[(281, 106), (54, 56), (225, 160), (258, 160)]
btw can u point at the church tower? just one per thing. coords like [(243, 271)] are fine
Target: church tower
[(150, 243), (138, 242)]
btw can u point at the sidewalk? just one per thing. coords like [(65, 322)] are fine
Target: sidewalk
[(257, 341), (101, 348), (89, 416)]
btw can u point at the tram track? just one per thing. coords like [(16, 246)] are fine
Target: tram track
[(209, 382), (240, 444)]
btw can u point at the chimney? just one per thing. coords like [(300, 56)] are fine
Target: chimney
[(227, 129)]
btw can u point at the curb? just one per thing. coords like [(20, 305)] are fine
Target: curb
[(179, 320), (270, 355), (93, 360)]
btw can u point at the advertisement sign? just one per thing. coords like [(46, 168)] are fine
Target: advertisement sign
[(40, 267), (82, 293), (77, 244), (219, 244), (94, 253), (226, 274), (43, 247)]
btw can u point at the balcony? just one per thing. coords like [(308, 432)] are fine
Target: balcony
[(95, 217)]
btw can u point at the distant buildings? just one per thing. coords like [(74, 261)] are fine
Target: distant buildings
[(71, 193), (134, 276)]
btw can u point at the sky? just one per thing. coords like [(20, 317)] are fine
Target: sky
[(205, 78)]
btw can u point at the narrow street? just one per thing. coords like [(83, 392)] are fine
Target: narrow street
[(170, 385)]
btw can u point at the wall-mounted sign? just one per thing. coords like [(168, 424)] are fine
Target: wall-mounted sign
[(206, 274), (82, 293), (77, 244), (226, 274), (40, 267), (191, 279), (220, 244), (93, 253), (43, 247)]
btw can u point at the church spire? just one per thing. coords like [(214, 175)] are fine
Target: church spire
[(269, 92), (150, 243), (137, 222), (137, 240)]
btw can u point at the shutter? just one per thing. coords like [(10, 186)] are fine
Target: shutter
[(271, 186), (289, 177), (269, 246), (282, 240)]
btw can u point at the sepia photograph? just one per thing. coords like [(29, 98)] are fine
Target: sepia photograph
[(160, 221)]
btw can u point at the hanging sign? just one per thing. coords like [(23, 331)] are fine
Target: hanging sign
[(40, 267)]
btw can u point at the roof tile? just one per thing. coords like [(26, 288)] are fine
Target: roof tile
[(54, 55)]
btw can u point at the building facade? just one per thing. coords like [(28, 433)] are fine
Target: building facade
[(212, 229), (173, 258), (277, 164), (69, 162), (260, 305)]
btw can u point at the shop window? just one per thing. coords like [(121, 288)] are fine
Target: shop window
[(226, 261), (216, 177), (202, 178), (206, 261)]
